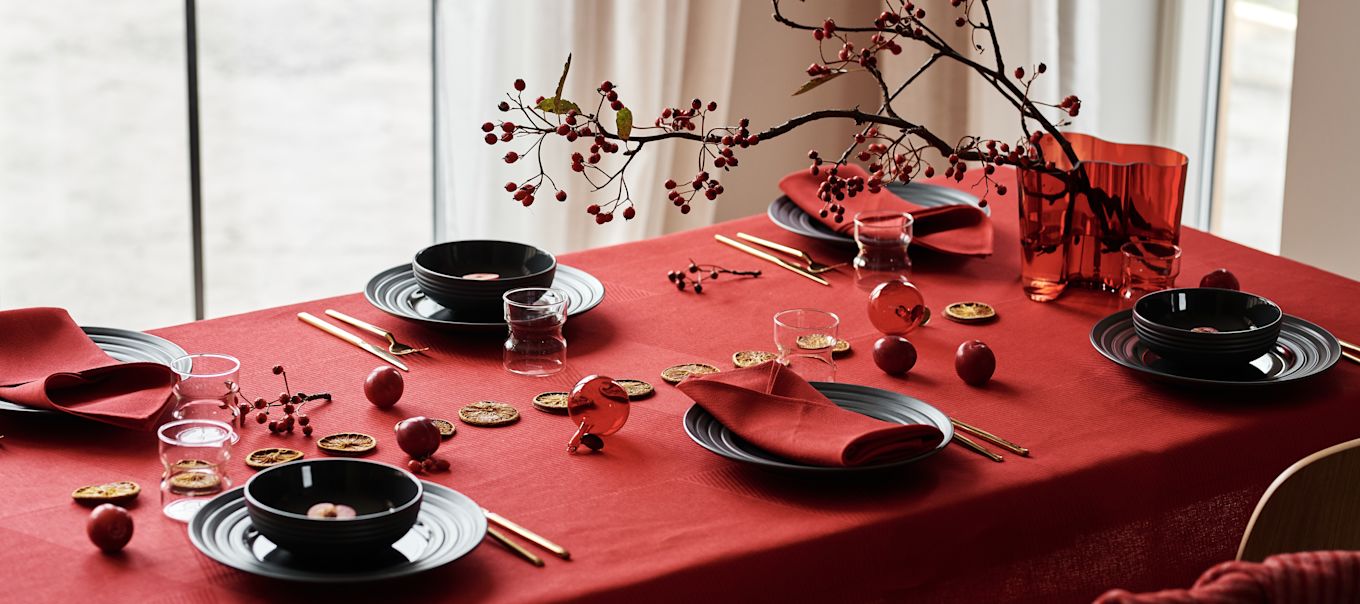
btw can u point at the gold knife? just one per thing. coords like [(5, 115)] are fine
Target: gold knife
[(311, 319), (991, 438), (516, 548), (979, 449), (770, 258), (535, 538)]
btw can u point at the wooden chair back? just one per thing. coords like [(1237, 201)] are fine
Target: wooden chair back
[(1314, 505)]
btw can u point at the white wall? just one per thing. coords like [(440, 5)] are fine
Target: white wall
[(1321, 215)]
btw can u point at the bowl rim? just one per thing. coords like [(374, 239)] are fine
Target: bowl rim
[(250, 497), (1273, 325), (416, 266)]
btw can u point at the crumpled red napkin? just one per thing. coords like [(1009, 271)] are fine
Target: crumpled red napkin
[(773, 408), (952, 229), (1326, 577), (47, 361)]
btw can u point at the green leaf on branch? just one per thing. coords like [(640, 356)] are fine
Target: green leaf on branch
[(624, 120), (557, 105), (819, 80), (563, 80)]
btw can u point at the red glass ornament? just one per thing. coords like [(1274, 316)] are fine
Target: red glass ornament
[(897, 308), (597, 405)]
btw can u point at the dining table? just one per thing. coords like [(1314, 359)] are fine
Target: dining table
[(1132, 482)]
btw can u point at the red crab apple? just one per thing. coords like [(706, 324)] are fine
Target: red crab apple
[(974, 362), (1222, 279), (418, 436), (109, 527), (384, 386), (895, 355)]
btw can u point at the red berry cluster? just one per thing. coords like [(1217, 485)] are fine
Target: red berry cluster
[(694, 274), (430, 464), (290, 404)]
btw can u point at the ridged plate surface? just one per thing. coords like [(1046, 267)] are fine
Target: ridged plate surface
[(395, 292), (788, 216)]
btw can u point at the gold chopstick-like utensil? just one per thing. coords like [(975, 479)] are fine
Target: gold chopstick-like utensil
[(526, 534), (979, 449), (518, 549), (1350, 357), (1349, 346), (991, 438), (311, 319), (393, 346), (770, 258), (813, 266)]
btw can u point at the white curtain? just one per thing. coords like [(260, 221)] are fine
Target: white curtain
[(650, 51)]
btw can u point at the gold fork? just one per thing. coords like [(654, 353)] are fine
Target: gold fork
[(813, 266), (393, 346)]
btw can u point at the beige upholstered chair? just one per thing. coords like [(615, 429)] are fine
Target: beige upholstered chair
[(1313, 505)]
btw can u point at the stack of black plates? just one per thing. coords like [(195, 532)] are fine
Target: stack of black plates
[(788, 216), (1302, 350), (124, 345), (395, 292), (450, 525), (888, 406)]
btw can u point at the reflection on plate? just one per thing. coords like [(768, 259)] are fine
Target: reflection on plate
[(788, 216), (450, 525), (888, 406), (123, 345), (395, 292), (1303, 350)]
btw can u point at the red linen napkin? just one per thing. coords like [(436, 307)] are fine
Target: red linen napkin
[(47, 361), (778, 411), (954, 229), (1331, 577)]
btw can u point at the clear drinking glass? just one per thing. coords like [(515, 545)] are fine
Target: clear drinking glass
[(535, 315), (1148, 267), (195, 455), (805, 338), (207, 387), (883, 237)]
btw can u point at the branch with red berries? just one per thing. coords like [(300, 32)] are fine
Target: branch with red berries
[(890, 147)]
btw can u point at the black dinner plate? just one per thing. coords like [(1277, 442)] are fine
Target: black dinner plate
[(124, 345), (1303, 350), (886, 405), (788, 216), (395, 292), (449, 527)]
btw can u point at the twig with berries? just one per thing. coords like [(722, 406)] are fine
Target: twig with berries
[(693, 275), (289, 403)]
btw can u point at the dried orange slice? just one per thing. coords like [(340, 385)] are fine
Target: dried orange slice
[(816, 341), (636, 389), (673, 375), (189, 465), (446, 428), (488, 413), (970, 312), (350, 444), (552, 402), (194, 482), (751, 358), (117, 493), (272, 456), (841, 347)]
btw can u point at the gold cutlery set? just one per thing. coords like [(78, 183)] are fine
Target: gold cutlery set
[(1350, 351), (809, 268), (394, 348), (523, 533)]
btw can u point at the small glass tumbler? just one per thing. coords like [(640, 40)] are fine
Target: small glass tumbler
[(805, 338), (883, 237), (207, 387), (535, 316), (1148, 267), (195, 455)]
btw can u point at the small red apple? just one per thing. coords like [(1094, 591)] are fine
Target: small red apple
[(109, 527), (418, 436), (974, 362), (1222, 279), (895, 355), (384, 386)]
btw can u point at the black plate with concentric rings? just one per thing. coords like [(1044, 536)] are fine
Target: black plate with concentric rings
[(450, 526), (1303, 350), (124, 345), (395, 292), (788, 216), (888, 406)]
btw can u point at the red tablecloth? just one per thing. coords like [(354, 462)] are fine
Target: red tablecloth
[(1133, 484)]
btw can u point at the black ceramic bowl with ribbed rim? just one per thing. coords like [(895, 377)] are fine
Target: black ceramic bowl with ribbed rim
[(441, 271), (1207, 325), (386, 498)]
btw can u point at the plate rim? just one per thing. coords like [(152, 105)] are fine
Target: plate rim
[(198, 525), (773, 212), (1105, 324), (390, 273), (695, 412)]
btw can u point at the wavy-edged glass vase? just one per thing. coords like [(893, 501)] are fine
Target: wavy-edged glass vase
[(1074, 219)]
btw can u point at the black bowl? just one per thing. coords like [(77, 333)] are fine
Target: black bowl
[(386, 498), (1206, 325), (441, 271)]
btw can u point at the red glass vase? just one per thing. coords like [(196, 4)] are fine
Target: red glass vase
[(1114, 194)]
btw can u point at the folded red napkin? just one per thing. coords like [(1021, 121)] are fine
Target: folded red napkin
[(953, 229), (1329, 577), (47, 361), (773, 408)]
